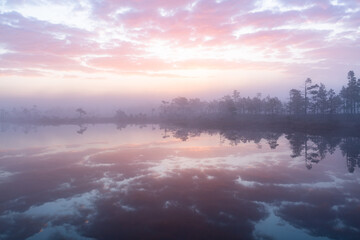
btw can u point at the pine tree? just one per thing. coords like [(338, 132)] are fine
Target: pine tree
[(322, 99)]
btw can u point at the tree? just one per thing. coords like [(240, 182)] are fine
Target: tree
[(81, 112), (322, 99), (309, 90), (120, 115), (227, 106), (257, 103), (334, 101), (307, 81), (236, 98), (272, 105), (351, 94), (296, 103), (180, 106)]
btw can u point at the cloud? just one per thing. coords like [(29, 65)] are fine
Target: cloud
[(165, 37)]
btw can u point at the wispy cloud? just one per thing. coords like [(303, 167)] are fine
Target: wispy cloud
[(155, 37)]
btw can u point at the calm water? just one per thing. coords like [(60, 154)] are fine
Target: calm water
[(100, 182)]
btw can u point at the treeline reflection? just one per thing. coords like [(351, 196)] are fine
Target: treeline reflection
[(311, 148)]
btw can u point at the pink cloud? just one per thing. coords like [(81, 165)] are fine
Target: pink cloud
[(42, 61), (128, 64), (33, 36), (342, 53), (31, 43)]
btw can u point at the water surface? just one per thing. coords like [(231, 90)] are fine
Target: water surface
[(143, 182)]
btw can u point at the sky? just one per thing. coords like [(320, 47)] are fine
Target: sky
[(157, 49)]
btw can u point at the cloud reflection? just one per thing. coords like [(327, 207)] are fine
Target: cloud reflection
[(171, 190)]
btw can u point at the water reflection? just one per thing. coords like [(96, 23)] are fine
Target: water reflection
[(312, 148), (82, 129), (192, 184), (350, 148)]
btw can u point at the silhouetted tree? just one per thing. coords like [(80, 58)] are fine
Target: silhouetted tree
[(334, 101), (351, 94), (81, 112), (227, 106), (309, 90), (322, 99), (120, 115), (296, 103), (273, 105)]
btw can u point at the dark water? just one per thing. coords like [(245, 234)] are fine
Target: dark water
[(97, 182)]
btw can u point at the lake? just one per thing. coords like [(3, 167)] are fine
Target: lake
[(151, 182)]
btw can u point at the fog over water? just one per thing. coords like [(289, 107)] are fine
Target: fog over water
[(102, 105)]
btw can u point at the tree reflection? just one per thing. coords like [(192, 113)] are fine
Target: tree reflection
[(350, 148), (272, 139), (234, 137), (82, 129), (312, 148)]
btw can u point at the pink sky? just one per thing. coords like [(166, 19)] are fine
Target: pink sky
[(175, 47)]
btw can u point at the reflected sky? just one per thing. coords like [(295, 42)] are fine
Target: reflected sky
[(145, 182)]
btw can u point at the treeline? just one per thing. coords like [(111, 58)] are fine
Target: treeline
[(313, 99), (309, 107)]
